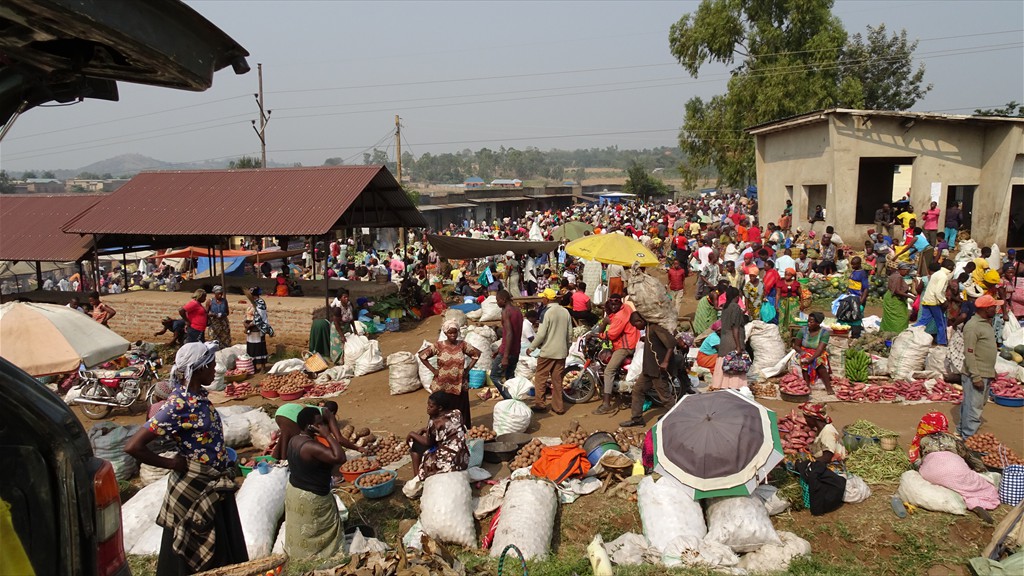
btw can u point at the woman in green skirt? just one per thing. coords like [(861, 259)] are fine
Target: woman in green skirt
[(895, 314)]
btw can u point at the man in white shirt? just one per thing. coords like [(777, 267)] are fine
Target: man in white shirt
[(704, 253), (64, 285), (785, 262), (48, 284), (932, 300)]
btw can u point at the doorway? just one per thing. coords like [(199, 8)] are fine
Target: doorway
[(963, 194), (816, 195), (1015, 231)]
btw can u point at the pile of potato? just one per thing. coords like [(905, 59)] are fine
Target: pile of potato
[(764, 390), (389, 449), (359, 465), (293, 381), (527, 455), (481, 432), (374, 480), (990, 446), (361, 437), (576, 437), (626, 437)]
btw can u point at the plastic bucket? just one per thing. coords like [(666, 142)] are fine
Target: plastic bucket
[(594, 456), (597, 439), (476, 452), (477, 378)]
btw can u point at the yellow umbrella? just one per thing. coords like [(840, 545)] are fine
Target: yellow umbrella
[(612, 249)]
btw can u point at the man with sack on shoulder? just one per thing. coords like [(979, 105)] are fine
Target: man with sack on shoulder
[(659, 345), (979, 364)]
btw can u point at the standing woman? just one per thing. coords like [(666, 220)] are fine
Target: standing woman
[(313, 525), (732, 340), (257, 328), (452, 372), (895, 313), (811, 347), (199, 488), (195, 317), (789, 300), (512, 273), (217, 317)]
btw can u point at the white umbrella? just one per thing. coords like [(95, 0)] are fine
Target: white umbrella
[(44, 339)]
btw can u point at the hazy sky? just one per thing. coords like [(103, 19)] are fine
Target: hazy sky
[(473, 74)]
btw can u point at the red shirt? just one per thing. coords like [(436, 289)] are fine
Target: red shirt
[(676, 277), (580, 301), (753, 234), (195, 313)]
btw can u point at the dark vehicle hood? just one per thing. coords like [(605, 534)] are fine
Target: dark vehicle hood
[(64, 50)]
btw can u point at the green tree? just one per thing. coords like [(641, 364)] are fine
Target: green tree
[(28, 174), (783, 54), (884, 67), (1011, 110), (335, 161), (6, 186), (48, 174), (639, 181), (579, 174), (245, 163), (107, 176), (88, 176)]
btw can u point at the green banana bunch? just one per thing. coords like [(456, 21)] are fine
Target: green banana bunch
[(857, 364)]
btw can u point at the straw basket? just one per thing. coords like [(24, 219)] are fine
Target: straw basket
[(314, 362), (888, 442)]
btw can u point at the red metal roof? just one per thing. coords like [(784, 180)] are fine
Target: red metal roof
[(266, 202), (30, 227)]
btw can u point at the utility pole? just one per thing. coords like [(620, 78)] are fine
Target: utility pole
[(261, 132), (398, 167)]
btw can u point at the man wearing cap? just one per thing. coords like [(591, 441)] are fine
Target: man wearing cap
[(979, 364)]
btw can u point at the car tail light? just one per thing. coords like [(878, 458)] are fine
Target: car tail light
[(109, 543)]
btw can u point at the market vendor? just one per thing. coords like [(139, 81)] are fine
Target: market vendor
[(707, 355), (440, 446), (287, 419), (455, 358), (811, 346), (828, 442), (895, 314), (313, 526), (944, 460)]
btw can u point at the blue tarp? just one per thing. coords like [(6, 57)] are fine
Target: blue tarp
[(234, 266)]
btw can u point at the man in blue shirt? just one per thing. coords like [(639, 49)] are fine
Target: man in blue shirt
[(857, 286)]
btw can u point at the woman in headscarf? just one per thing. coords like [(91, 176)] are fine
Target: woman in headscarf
[(753, 292), (789, 300), (512, 273), (895, 314), (944, 460), (314, 528), (200, 490), (452, 372), (257, 328), (828, 442), (732, 340), (811, 346), (707, 356), (707, 311), (217, 317)]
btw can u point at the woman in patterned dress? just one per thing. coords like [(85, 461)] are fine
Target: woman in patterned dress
[(452, 373), (441, 446), (217, 317)]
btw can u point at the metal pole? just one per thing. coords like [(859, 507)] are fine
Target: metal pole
[(39, 275), (327, 285), (222, 282), (124, 266)]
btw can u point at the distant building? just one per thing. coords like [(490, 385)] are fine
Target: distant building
[(507, 183), (43, 186), (474, 182)]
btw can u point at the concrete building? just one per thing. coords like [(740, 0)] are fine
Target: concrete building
[(852, 161)]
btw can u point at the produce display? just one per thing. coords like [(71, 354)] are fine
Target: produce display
[(527, 455), (994, 452), (857, 364), (764, 390), (236, 372), (389, 449), (374, 480), (280, 383), (869, 430), (1005, 386), (796, 433), (1016, 354), (574, 434), (627, 437), (875, 465), (360, 465), (481, 432), (911, 391), (328, 389), (794, 384), (361, 437), (239, 390)]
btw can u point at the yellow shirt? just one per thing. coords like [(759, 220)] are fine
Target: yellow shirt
[(905, 218)]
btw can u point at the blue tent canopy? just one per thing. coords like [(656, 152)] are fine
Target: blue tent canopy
[(233, 266)]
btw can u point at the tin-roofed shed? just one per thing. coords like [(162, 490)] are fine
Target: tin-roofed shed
[(30, 227)]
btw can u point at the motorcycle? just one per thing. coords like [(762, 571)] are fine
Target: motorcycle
[(582, 382), (102, 392)]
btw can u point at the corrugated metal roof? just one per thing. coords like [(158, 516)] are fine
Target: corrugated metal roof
[(30, 226), (821, 115), (498, 199), (270, 202)]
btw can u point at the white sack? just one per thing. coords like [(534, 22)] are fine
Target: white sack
[(233, 410), (935, 361), (773, 503), (426, 376), (489, 310), (652, 299), (908, 353), (776, 557), (403, 372), (767, 344), (139, 512), (371, 360), (690, 551), (527, 518), (526, 367), (148, 542), (355, 346), (150, 474), (446, 508), (741, 523), (236, 430), (108, 441), (261, 427), (631, 549), (667, 511), (511, 416), (634, 370), (286, 366), (260, 503), (481, 343), (456, 315), (857, 490), (519, 387), (921, 493)]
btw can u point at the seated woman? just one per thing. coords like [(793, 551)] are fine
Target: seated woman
[(282, 282), (811, 345), (313, 525), (707, 356), (944, 460), (828, 442), (440, 446)]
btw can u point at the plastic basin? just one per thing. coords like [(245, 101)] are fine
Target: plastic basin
[(269, 393), (292, 396), (380, 490), (247, 469), (1007, 401), (596, 439), (594, 456), (351, 477)]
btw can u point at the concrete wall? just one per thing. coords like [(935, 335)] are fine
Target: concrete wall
[(950, 153)]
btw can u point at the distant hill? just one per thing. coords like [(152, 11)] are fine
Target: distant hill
[(132, 164)]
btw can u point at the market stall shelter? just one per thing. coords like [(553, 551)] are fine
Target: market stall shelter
[(30, 229), (205, 207)]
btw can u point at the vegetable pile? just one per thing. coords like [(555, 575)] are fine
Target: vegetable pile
[(388, 449), (764, 390), (875, 465), (361, 437), (374, 480), (328, 389), (868, 430), (293, 381), (794, 384), (237, 372), (238, 390), (796, 433), (573, 434), (890, 392), (1006, 387), (527, 455), (626, 437), (482, 432), (856, 365), (994, 452), (360, 465)]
